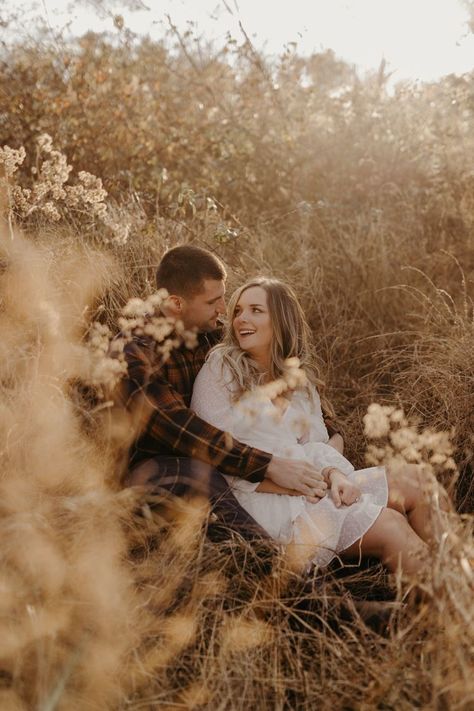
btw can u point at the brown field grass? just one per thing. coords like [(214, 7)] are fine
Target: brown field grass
[(360, 199)]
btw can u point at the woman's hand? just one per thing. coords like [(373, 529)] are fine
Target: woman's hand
[(267, 486), (343, 491)]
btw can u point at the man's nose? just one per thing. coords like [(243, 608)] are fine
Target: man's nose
[(221, 309)]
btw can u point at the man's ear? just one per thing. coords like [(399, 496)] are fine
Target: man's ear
[(173, 306)]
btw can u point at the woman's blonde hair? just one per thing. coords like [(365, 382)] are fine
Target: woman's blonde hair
[(291, 337)]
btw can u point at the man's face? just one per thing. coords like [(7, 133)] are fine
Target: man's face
[(201, 311)]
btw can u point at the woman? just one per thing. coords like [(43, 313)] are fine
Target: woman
[(376, 511)]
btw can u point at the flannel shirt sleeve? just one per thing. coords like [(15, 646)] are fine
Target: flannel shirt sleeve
[(169, 423)]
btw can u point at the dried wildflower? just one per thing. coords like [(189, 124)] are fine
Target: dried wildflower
[(404, 442), (249, 406), (377, 421), (135, 307), (138, 319), (21, 199), (54, 171), (375, 455), (240, 635), (292, 378), (45, 143), (11, 159), (179, 631), (51, 195), (108, 362), (108, 371), (404, 438), (158, 328), (51, 211), (89, 194), (120, 231)]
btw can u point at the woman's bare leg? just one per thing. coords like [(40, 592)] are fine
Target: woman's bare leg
[(409, 493), (393, 541)]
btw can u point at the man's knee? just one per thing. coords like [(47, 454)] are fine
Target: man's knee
[(142, 475), (204, 474), (180, 476)]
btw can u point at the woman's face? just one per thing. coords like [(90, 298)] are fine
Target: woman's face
[(251, 322)]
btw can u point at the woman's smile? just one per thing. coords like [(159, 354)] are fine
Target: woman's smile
[(252, 323)]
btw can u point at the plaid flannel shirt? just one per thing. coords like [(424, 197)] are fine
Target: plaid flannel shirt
[(170, 427)]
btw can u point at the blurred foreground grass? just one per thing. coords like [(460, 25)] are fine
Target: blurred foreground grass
[(364, 202)]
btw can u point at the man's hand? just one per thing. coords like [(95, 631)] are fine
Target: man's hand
[(343, 491), (299, 475)]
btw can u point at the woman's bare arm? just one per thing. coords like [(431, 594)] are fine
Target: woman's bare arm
[(267, 486), (337, 442)]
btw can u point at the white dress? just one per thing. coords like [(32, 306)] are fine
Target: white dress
[(316, 531)]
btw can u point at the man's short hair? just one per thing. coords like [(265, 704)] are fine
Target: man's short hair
[(183, 269)]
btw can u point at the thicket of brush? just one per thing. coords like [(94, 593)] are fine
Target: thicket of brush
[(364, 201)]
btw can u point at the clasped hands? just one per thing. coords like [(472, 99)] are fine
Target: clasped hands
[(297, 477), (343, 491)]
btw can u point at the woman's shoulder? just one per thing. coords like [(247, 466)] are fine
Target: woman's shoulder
[(313, 393), (307, 393), (216, 368), (215, 362)]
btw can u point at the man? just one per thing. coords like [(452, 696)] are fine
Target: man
[(176, 450)]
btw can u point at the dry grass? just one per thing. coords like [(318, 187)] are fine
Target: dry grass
[(359, 199)]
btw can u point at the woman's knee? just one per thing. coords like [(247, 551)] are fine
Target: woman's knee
[(391, 520), (385, 531)]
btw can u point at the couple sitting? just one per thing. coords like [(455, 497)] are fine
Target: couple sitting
[(278, 474)]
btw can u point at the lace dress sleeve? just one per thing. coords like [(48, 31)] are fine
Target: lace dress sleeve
[(212, 394), (212, 400), (317, 448), (311, 406)]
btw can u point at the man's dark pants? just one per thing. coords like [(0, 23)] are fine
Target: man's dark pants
[(183, 476)]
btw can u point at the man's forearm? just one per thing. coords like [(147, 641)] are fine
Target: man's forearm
[(168, 426), (180, 431)]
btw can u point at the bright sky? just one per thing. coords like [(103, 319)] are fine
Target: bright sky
[(420, 39)]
